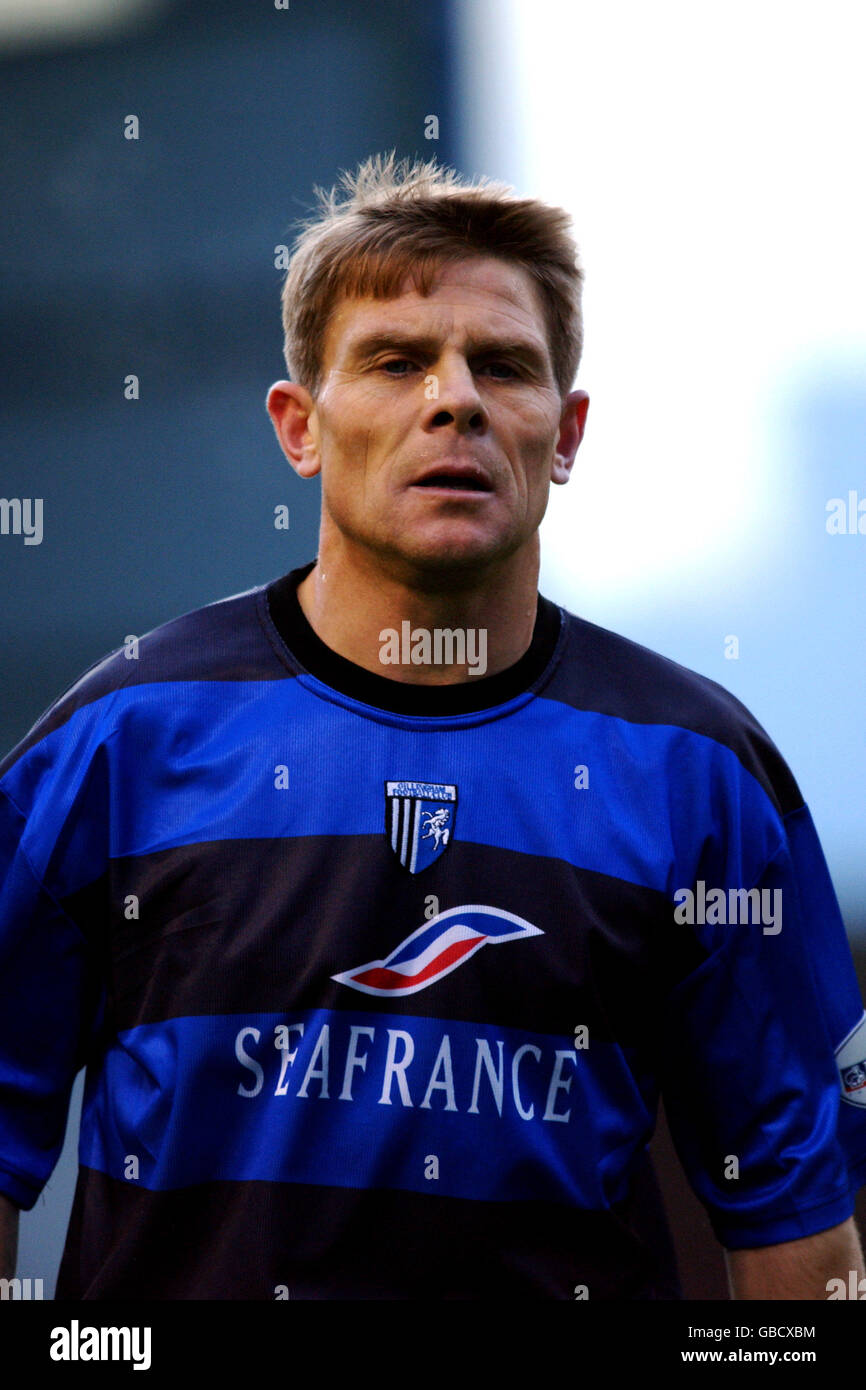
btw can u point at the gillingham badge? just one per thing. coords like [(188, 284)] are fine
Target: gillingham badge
[(419, 821)]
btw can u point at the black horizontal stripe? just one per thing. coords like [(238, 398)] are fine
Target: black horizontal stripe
[(263, 635), (605, 673), (241, 1240), (223, 642), (261, 925)]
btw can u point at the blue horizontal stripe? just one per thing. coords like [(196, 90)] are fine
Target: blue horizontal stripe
[(190, 762), (186, 1101)]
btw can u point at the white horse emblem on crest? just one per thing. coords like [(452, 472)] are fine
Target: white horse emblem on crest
[(419, 821), (436, 824)]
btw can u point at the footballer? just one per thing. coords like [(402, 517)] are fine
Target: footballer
[(360, 894)]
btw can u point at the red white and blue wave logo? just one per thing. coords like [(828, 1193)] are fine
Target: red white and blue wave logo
[(443, 944)]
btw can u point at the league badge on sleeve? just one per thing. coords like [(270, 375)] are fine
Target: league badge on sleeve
[(851, 1061), (419, 821)]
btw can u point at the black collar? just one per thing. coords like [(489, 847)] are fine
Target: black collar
[(401, 697)]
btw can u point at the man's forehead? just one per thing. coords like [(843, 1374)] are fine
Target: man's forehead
[(483, 295)]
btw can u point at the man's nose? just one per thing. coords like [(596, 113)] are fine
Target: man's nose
[(452, 398)]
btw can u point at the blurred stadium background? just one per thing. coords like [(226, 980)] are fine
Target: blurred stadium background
[(710, 157)]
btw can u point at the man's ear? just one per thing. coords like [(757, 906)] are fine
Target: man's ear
[(572, 423), (292, 413)]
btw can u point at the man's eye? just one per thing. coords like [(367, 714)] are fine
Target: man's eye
[(501, 370), (397, 366)]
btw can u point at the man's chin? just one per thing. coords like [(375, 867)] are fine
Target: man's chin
[(459, 559)]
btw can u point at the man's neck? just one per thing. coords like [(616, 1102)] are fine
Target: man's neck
[(419, 629)]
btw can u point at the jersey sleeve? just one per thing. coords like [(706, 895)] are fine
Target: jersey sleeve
[(764, 1043), (53, 850)]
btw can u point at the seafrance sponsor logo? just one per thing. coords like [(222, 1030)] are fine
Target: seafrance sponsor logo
[(428, 1064), (443, 944)]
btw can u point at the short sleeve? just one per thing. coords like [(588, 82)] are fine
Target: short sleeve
[(52, 828), (764, 1049)]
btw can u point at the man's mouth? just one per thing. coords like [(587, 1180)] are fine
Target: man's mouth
[(455, 480)]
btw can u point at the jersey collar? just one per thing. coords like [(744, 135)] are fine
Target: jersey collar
[(402, 697)]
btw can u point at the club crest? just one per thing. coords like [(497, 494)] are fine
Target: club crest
[(419, 821)]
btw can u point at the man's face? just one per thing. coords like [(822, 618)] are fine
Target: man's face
[(438, 425)]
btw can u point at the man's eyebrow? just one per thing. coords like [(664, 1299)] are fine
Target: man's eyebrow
[(385, 341), (399, 341)]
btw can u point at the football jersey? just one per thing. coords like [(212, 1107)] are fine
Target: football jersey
[(378, 985)]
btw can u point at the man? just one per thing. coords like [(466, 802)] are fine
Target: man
[(383, 900)]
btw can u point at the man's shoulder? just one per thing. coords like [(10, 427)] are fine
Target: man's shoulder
[(603, 672), (222, 640), (225, 640)]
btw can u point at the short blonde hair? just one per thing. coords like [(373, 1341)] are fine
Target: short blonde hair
[(400, 218)]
